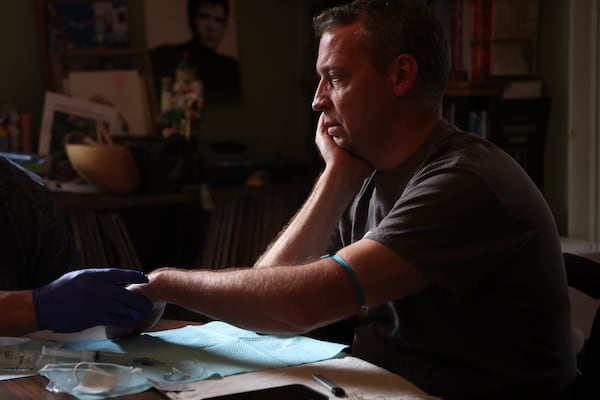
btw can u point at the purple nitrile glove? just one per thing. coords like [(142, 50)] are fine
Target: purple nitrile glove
[(85, 298)]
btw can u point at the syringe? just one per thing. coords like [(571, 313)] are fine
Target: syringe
[(98, 356), (18, 360)]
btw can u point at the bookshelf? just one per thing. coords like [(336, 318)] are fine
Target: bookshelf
[(135, 231), (245, 220), (231, 227), (519, 127), (491, 39), (516, 125), (494, 89)]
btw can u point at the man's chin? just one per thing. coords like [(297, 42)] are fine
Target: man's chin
[(340, 142), (343, 144)]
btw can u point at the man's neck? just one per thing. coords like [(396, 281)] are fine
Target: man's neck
[(410, 133)]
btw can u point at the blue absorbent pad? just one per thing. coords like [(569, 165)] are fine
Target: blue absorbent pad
[(203, 351)]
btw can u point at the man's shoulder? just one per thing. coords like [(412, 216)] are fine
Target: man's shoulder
[(452, 147)]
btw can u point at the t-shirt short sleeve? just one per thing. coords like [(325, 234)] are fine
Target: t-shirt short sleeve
[(448, 225)]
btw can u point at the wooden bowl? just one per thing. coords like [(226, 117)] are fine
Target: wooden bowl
[(110, 168)]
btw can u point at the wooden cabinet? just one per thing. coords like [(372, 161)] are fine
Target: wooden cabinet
[(215, 228), (136, 231)]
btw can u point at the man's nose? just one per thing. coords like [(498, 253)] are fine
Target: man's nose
[(320, 100)]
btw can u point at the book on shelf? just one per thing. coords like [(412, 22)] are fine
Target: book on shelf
[(490, 38), (478, 123), (519, 127), (480, 48), (455, 16), (102, 239), (76, 235), (208, 252), (241, 228), (514, 37), (455, 39), (107, 231), (122, 241), (522, 89), (96, 242), (466, 36)]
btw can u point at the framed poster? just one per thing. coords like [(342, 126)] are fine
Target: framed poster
[(203, 34)]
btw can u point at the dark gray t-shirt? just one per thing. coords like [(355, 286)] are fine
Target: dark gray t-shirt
[(496, 321)]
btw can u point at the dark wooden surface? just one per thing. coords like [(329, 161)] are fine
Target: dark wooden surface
[(34, 387)]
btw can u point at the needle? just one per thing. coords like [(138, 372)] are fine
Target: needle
[(99, 356)]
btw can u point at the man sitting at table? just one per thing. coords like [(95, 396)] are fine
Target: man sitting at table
[(442, 244), (37, 252)]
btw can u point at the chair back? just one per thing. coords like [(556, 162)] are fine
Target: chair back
[(583, 274)]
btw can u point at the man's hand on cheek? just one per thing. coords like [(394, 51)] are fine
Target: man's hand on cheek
[(337, 157)]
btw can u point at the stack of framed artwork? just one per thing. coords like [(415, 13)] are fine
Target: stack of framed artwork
[(85, 48), (90, 72)]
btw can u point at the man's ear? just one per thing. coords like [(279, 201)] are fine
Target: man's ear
[(404, 71)]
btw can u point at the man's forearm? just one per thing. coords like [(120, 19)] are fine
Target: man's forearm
[(306, 236), (269, 300), (18, 313)]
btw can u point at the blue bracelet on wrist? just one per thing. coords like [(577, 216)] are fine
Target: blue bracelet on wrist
[(353, 277)]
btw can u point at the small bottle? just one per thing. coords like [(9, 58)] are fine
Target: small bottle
[(166, 97), (26, 132), (166, 123), (188, 98)]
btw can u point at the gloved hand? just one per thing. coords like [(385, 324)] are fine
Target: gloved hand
[(85, 298)]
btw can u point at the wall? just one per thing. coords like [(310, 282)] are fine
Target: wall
[(20, 78), (554, 73), (272, 117), (274, 113)]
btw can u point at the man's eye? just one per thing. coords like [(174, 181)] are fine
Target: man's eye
[(333, 79)]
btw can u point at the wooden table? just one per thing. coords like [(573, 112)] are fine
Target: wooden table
[(34, 387), (356, 375)]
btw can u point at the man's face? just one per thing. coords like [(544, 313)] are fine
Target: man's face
[(211, 22), (353, 96)]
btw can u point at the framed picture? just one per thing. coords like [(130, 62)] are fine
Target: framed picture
[(64, 115), (202, 34), (85, 52), (122, 89)]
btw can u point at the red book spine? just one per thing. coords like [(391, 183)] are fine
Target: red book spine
[(26, 132), (456, 37), (482, 23)]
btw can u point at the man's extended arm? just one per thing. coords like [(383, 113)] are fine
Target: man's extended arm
[(295, 291)]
